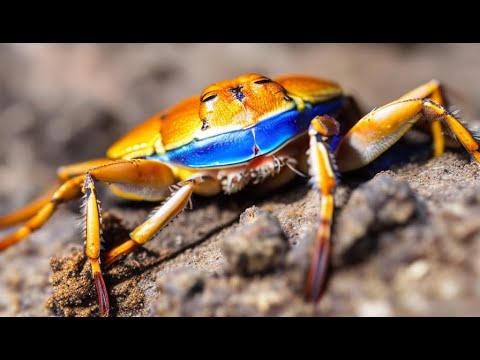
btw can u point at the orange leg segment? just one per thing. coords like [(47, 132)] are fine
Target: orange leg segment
[(323, 178), (64, 173), (381, 128), (438, 139), (93, 243), (137, 179), (156, 222), (70, 190), (433, 91), (141, 179), (27, 211)]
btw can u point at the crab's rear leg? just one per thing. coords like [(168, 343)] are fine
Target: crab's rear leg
[(139, 179), (383, 127), (70, 190), (64, 173), (323, 179), (433, 91), (29, 210)]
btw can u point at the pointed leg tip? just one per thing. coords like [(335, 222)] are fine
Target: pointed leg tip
[(102, 294), (318, 273), (314, 290)]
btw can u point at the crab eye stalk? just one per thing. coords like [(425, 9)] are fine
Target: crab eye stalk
[(208, 97), (263, 81)]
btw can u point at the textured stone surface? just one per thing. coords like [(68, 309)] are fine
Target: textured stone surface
[(257, 245)]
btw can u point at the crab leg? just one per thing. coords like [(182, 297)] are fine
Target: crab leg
[(92, 242), (381, 128), (156, 222), (134, 179), (28, 210), (70, 190), (431, 90), (323, 178), (64, 173), (138, 179), (67, 171)]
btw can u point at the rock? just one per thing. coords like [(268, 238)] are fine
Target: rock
[(175, 288), (380, 204), (257, 245), (188, 292)]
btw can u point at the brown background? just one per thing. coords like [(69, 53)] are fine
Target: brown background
[(61, 103)]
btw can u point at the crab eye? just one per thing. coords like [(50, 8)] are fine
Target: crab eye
[(208, 98), (263, 81)]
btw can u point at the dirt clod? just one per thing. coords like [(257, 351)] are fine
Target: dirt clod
[(257, 245), (187, 292), (378, 205), (74, 290)]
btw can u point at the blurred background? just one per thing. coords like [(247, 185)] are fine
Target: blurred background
[(61, 103)]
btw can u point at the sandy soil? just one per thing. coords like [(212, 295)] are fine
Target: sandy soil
[(406, 235)]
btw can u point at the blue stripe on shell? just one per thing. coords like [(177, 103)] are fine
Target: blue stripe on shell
[(240, 146)]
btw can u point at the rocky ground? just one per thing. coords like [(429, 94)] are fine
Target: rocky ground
[(406, 233)]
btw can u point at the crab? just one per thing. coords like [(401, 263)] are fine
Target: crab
[(249, 131)]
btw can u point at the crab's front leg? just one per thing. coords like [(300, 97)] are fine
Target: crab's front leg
[(323, 178), (139, 179), (92, 242), (377, 131), (135, 179), (159, 218)]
